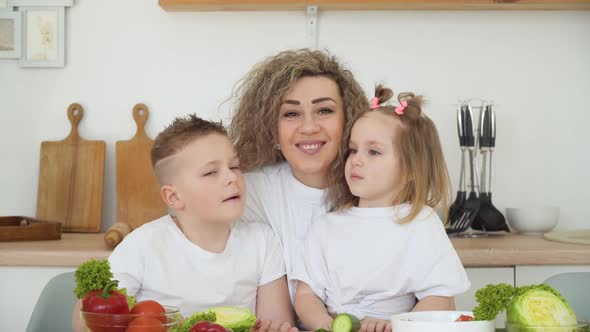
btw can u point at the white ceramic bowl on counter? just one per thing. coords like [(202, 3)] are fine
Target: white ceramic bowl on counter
[(532, 220), (438, 321)]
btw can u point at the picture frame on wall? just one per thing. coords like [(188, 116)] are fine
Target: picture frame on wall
[(10, 34), (43, 37)]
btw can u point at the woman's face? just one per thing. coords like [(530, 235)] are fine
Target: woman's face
[(310, 128)]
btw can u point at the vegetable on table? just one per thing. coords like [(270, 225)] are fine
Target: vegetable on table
[(464, 318), (540, 305), (206, 326), (346, 323), (146, 324), (535, 305), (149, 308), (94, 275), (106, 310), (188, 323), (234, 318)]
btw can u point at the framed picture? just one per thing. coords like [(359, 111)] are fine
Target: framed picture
[(43, 37), (10, 35), (39, 3)]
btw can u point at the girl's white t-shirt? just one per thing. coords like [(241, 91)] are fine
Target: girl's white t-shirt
[(157, 262), (363, 262), (276, 198)]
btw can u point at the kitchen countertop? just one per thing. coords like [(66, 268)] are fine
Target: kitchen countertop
[(495, 250)]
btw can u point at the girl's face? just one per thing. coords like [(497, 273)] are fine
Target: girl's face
[(373, 167), (310, 128)]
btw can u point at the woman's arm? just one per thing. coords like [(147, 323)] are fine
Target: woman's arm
[(435, 303), (273, 306), (310, 309)]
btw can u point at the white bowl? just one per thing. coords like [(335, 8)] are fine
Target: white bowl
[(438, 321), (532, 220)]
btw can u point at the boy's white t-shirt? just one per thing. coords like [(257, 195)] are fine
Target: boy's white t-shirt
[(363, 262), (157, 262), (276, 198)]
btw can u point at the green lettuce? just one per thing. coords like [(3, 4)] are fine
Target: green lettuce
[(186, 325)]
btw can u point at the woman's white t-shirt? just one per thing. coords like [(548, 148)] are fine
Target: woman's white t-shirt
[(363, 262), (275, 197), (157, 262)]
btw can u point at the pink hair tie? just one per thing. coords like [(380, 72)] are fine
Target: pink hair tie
[(374, 103), (401, 108)]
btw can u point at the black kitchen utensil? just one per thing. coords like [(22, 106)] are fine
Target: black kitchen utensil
[(488, 217), (468, 211), (461, 193)]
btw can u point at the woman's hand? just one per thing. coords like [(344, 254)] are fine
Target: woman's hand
[(272, 326), (375, 325)]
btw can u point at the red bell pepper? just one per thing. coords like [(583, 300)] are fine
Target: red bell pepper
[(106, 309)]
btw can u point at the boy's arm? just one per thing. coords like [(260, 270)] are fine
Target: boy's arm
[(273, 303), (310, 309), (76, 323), (434, 303)]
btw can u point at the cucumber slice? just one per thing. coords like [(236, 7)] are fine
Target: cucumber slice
[(346, 323)]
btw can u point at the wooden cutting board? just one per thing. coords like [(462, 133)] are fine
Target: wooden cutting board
[(71, 179), (138, 192)]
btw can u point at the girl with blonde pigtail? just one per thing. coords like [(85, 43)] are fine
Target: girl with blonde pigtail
[(383, 250)]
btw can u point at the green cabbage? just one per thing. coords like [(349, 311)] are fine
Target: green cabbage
[(528, 308), (539, 305), (237, 319)]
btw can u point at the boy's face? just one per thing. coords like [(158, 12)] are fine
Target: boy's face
[(373, 167), (209, 182)]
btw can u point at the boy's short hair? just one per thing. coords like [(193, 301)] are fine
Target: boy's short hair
[(178, 135)]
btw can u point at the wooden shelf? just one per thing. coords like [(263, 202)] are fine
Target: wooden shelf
[(248, 5)]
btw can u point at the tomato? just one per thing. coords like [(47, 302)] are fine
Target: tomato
[(149, 308), (146, 324), (464, 318), (216, 328), (201, 326)]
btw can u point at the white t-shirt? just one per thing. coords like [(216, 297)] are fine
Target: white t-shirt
[(363, 262), (275, 197), (157, 262)]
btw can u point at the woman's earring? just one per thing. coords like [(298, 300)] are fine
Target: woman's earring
[(278, 146)]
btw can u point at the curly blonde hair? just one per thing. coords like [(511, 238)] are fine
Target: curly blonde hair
[(254, 125), (425, 178)]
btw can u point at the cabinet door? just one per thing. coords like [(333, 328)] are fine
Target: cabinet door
[(529, 275), (480, 277)]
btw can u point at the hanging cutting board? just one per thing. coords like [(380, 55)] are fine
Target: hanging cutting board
[(138, 192), (71, 179)]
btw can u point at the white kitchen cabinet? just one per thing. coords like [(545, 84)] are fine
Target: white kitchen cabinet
[(528, 275), (480, 277)]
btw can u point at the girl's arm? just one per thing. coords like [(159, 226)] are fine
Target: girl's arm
[(433, 303), (273, 307), (310, 309)]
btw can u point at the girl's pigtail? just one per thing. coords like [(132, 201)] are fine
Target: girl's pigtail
[(414, 109), (383, 94)]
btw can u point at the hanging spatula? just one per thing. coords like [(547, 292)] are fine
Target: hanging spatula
[(470, 207), (488, 218), (462, 192)]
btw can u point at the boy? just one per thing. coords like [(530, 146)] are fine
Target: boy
[(203, 256)]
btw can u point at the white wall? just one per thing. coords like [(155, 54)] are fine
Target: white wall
[(535, 65)]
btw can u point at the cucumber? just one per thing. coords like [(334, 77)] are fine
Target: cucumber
[(346, 323)]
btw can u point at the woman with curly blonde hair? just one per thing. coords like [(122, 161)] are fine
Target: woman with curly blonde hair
[(288, 128)]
